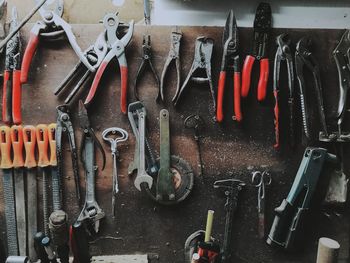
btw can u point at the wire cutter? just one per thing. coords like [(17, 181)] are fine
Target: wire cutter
[(64, 124), (262, 27), (11, 99), (146, 60), (304, 58), (116, 49), (283, 53), (174, 54), (230, 62)]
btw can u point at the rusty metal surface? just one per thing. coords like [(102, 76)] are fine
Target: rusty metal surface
[(142, 226)]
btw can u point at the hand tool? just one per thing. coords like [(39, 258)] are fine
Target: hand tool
[(146, 60), (261, 180), (43, 164), (16, 133), (64, 124), (91, 211), (262, 28), (196, 123), (39, 249), (147, 11), (304, 58), (230, 62), (116, 49), (3, 16), (283, 53), (17, 259), (11, 99), (8, 188), (46, 242), (79, 243), (201, 64), (287, 228), (52, 27), (58, 224), (231, 189), (115, 135), (29, 141), (174, 55)]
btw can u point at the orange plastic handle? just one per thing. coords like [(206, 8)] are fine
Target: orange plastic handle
[(28, 56), (16, 98), (220, 97), (29, 140), (16, 132), (5, 146), (124, 89), (52, 143), (43, 143)]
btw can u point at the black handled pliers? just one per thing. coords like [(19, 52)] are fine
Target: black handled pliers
[(304, 58), (283, 53), (174, 54), (146, 60)]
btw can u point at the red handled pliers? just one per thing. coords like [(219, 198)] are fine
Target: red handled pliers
[(230, 62), (117, 49), (262, 27)]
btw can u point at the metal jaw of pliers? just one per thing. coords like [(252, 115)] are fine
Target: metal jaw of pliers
[(174, 54), (64, 125), (283, 53), (304, 58), (201, 66), (230, 62), (91, 212), (51, 27), (146, 60), (116, 48)]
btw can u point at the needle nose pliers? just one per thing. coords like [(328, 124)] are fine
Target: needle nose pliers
[(262, 26)]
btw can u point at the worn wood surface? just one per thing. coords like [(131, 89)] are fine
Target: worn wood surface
[(142, 226)]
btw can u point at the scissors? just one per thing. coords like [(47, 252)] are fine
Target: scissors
[(261, 180)]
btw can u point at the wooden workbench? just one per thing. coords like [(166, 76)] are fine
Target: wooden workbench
[(141, 226)]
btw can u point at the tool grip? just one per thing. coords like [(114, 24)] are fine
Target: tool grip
[(124, 88), (43, 143), (246, 75), (221, 89), (28, 55), (277, 122), (16, 97), (5, 147), (95, 83), (7, 98), (29, 140), (237, 96), (263, 78), (52, 143), (16, 133)]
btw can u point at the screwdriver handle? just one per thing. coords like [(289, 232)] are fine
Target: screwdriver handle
[(29, 140), (52, 143), (5, 147), (43, 143), (16, 132)]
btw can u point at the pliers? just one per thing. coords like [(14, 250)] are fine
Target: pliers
[(146, 60), (64, 125), (262, 27), (116, 49), (174, 54), (230, 62), (11, 99), (52, 27), (283, 53), (304, 58)]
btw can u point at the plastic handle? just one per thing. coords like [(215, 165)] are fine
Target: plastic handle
[(43, 143), (52, 143), (263, 79), (5, 147), (246, 75), (16, 97), (29, 140), (28, 56), (95, 83), (221, 89), (237, 96), (124, 88), (277, 122), (6, 98), (16, 133)]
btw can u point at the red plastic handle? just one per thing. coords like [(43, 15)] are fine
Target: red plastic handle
[(95, 83), (237, 96), (16, 97), (221, 89), (124, 88), (6, 96), (28, 56), (246, 75), (277, 122), (263, 79)]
